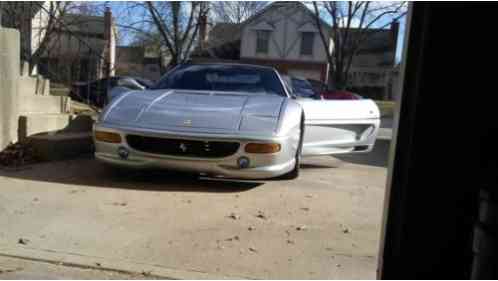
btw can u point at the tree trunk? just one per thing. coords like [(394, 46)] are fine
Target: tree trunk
[(339, 78)]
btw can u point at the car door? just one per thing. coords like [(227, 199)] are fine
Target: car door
[(339, 126)]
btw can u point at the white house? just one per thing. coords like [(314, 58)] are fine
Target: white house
[(285, 35)]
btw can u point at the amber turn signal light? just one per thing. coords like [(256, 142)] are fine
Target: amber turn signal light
[(107, 137), (262, 147)]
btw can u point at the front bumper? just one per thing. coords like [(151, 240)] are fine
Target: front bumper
[(262, 166)]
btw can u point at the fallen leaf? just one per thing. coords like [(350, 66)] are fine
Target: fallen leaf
[(301, 228), (253, 250), (305, 209), (261, 215), (234, 216), (236, 237), (345, 229), (250, 228), (120, 204), (290, 242), (23, 241)]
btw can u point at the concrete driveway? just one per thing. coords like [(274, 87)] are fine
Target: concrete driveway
[(325, 225)]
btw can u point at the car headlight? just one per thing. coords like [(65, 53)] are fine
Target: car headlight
[(107, 137), (263, 147)]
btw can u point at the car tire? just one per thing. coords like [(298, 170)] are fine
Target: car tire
[(294, 174)]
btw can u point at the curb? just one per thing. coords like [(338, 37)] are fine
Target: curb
[(123, 266)]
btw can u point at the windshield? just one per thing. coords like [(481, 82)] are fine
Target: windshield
[(302, 88), (227, 78)]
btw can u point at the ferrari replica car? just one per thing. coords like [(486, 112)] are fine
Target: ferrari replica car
[(229, 120)]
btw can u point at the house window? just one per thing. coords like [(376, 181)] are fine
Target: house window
[(262, 41), (307, 39)]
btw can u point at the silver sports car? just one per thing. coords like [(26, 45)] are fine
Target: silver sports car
[(229, 120)]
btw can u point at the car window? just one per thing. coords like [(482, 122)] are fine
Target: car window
[(227, 78), (302, 88)]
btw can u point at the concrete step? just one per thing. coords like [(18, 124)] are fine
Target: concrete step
[(33, 124), (58, 92), (34, 85), (33, 104), (60, 146)]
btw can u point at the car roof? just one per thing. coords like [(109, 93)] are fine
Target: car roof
[(231, 64)]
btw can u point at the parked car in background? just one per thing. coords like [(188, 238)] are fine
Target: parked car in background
[(340, 95), (318, 86), (329, 93), (96, 93), (229, 120), (301, 87)]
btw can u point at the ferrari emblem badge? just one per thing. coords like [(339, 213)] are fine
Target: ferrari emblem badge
[(183, 147)]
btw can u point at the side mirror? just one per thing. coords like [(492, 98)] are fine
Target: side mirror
[(130, 84)]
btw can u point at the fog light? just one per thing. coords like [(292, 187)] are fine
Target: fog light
[(243, 162), (107, 137), (123, 153), (262, 147)]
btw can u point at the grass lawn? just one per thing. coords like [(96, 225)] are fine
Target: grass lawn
[(386, 108)]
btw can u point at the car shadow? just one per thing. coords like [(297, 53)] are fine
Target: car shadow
[(378, 157), (317, 166), (86, 171)]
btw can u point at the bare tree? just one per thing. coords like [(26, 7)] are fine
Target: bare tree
[(352, 26), (178, 25), (236, 12), (20, 15)]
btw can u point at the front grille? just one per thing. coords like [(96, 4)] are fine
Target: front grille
[(181, 147)]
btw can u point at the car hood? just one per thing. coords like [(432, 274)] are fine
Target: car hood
[(198, 111)]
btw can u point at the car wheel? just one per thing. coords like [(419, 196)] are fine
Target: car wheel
[(294, 174)]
